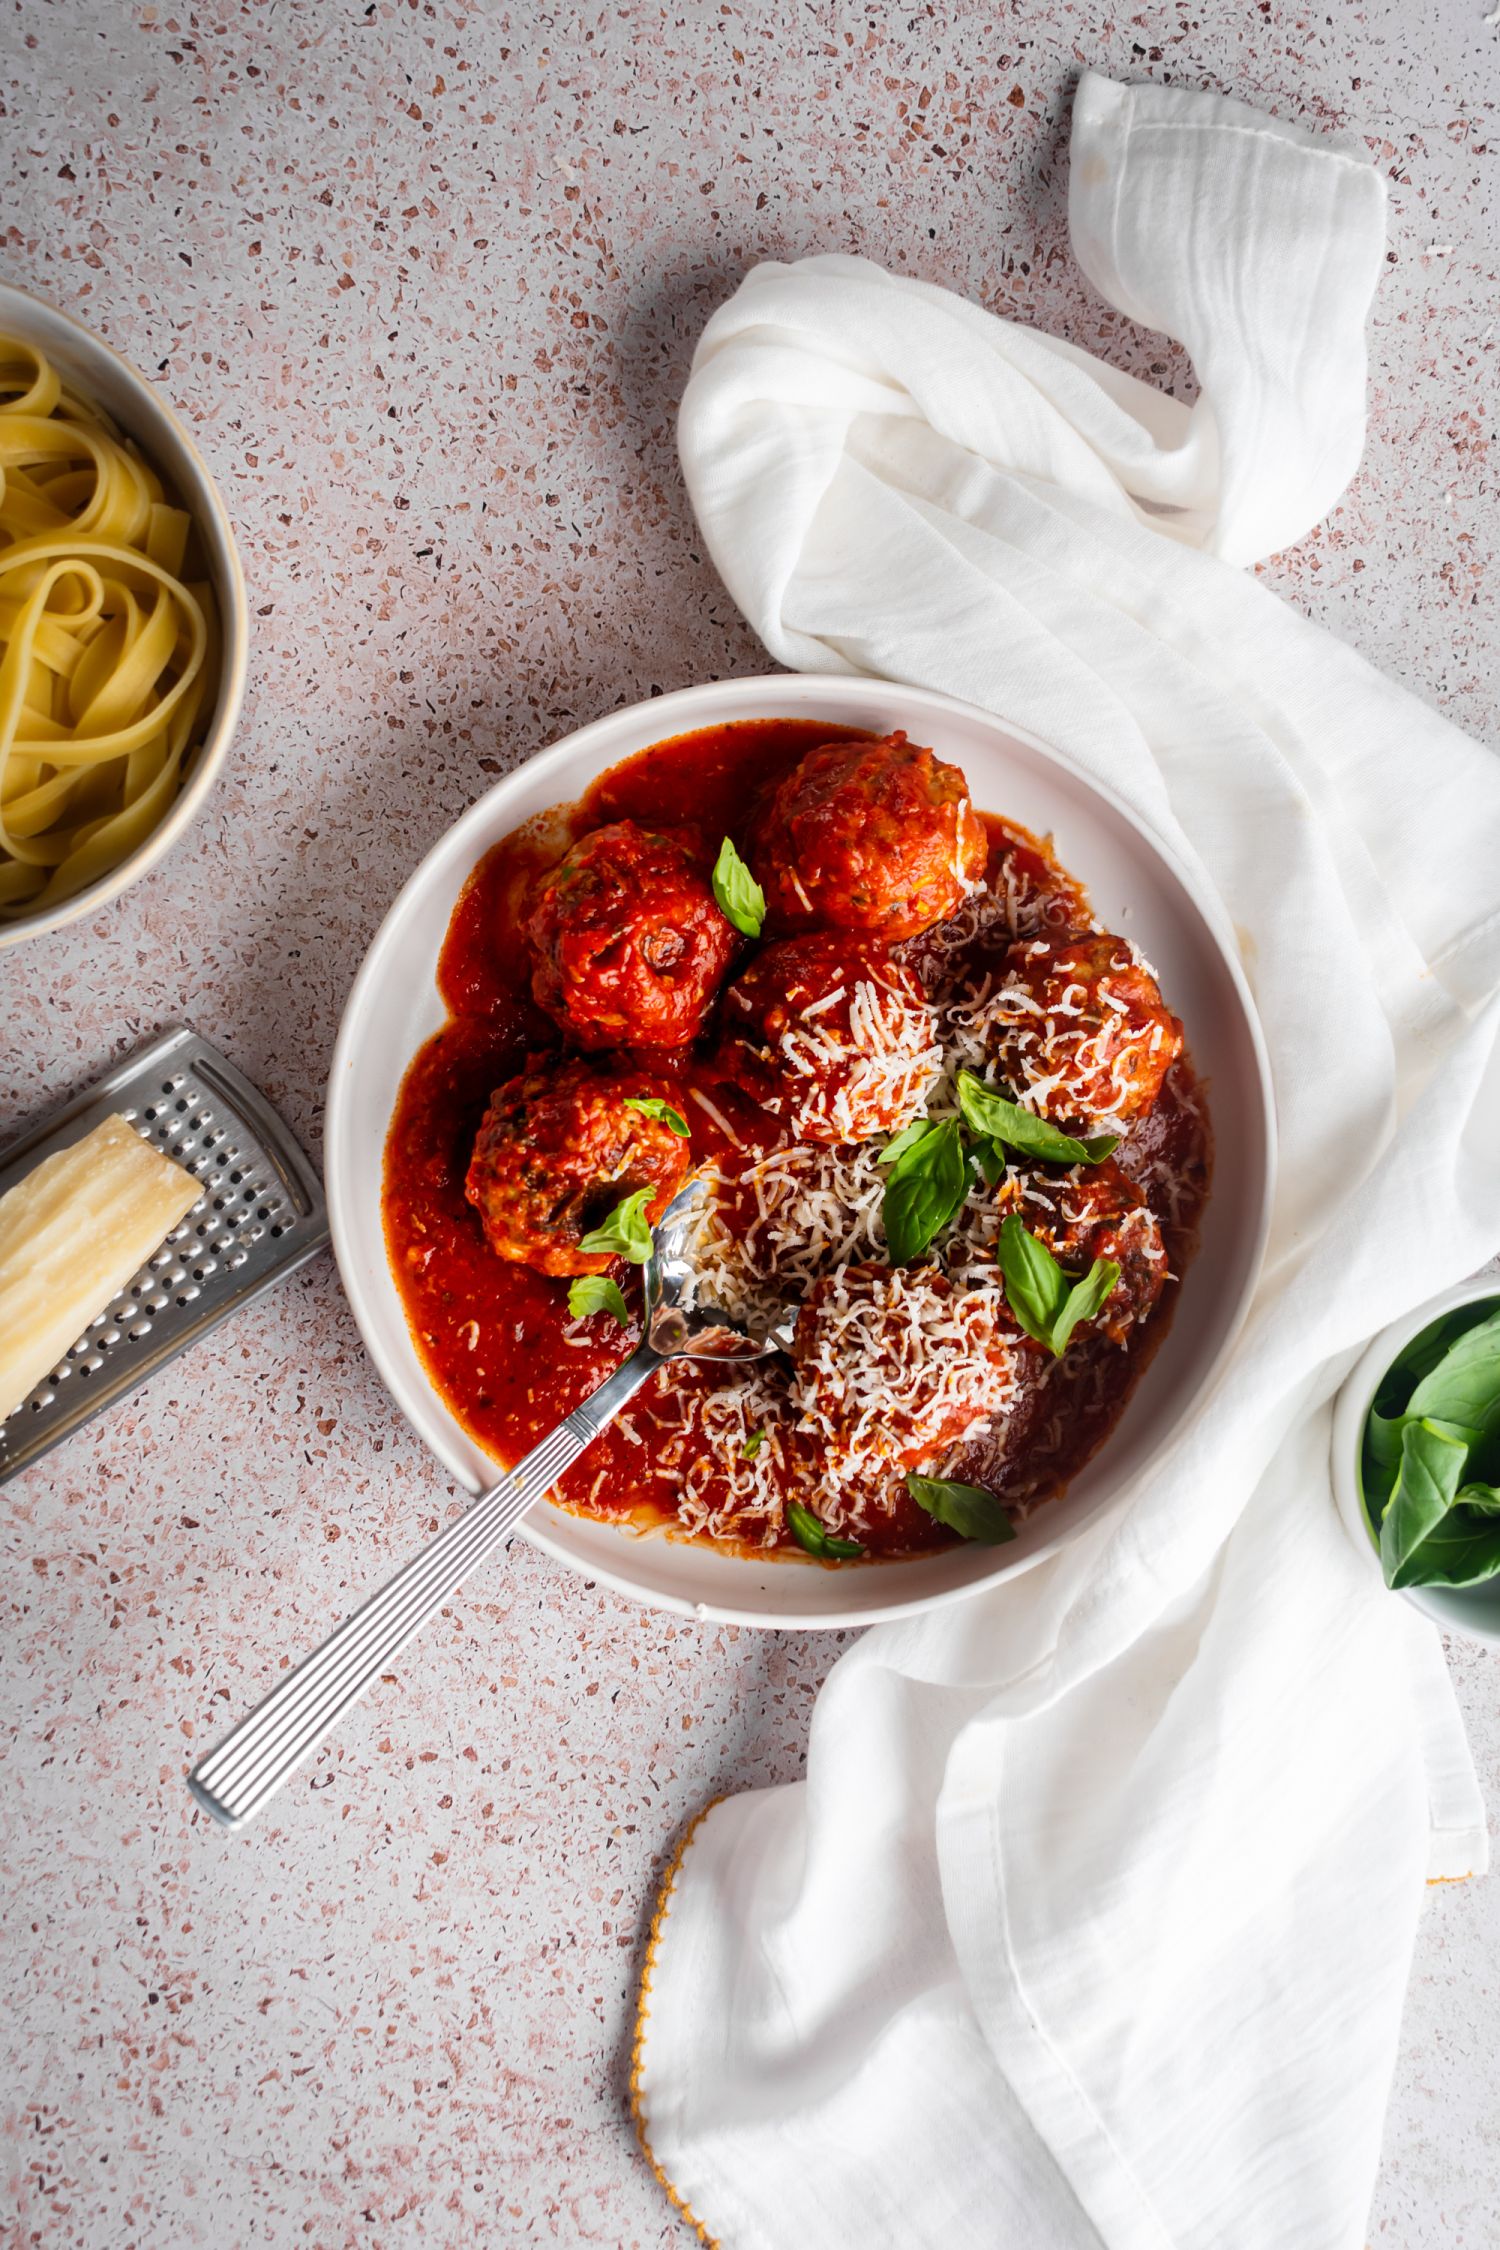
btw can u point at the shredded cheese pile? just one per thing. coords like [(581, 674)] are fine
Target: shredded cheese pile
[(700, 1437), (1063, 1049), (798, 1212), (867, 1072), (891, 1365)]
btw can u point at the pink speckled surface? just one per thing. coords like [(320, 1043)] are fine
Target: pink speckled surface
[(426, 282)]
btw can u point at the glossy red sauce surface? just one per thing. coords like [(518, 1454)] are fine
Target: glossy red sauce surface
[(496, 1338)]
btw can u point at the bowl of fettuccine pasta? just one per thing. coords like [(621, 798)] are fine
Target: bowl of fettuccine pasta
[(123, 622)]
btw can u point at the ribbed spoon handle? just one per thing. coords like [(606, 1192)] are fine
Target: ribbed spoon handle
[(237, 1778)]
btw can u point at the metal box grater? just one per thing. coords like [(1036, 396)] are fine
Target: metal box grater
[(260, 1216)]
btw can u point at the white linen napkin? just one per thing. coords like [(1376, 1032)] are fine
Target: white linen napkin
[(1091, 1922)]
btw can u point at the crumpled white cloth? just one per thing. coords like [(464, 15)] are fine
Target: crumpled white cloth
[(1091, 1922)]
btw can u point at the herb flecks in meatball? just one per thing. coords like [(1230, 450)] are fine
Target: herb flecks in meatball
[(1079, 1031), (630, 946), (559, 1148), (894, 1365), (831, 1035), (1083, 1212), (877, 836)]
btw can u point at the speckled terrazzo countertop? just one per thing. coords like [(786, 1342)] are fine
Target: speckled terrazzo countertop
[(426, 283)]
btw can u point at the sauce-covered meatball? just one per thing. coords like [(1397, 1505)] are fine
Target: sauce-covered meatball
[(1088, 1211), (630, 945), (832, 1035), (560, 1146), (896, 1364), (1079, 1031), (878, 836)]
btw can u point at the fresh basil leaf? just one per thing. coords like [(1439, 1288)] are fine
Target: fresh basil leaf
[(1047, 1303), (815, 1537), (625, 1233), (1462, 1550), (988, 1159), (1484, 1499), (916, 1131), (1383, 1438), (1035, 1284), (595, 1292), (740, 897), (1432, 1467), (1084, 1301), (1381, 1458), (994, 1118), (965, 1508), (1465, 1384), (1422, 1354), (752, 1445), (652, 1105), (926, 1187), (1462, 1433)]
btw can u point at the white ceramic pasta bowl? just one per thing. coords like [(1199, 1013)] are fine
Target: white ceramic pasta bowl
[(89, 365), (1137, 887)]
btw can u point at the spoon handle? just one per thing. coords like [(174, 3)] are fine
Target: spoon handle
[(237, 1778)]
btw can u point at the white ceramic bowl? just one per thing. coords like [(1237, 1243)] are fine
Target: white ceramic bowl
[(1137, 887), (89, 366), (1471, 1610)]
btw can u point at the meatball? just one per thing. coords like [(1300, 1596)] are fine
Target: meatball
[(876, 836), (1083, 1212), (1079, 1032), (629, 943), (831, 1034), (558, 1149), (895, 1364)]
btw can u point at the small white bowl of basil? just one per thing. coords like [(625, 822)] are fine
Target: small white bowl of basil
[(1416, 1457)]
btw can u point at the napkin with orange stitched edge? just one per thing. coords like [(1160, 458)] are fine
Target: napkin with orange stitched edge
[(1091, 1921)]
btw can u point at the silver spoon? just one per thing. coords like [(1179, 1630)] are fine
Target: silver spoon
[(237, 1777)]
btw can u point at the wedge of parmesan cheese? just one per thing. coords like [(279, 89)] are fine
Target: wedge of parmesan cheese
[(71, 1235)]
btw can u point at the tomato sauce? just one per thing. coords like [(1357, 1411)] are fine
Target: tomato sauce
[(497, 1339)]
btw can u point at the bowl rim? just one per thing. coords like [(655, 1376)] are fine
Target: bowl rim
[(667, 720), (1445, 1605), (18, 307)]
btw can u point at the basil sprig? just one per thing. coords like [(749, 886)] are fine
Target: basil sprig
[(626, 1233), (652, 1105), (752, 1445), (927, 1180), (740, 897), (926, 1184), (595, 1292), (1004, 1124), (1431, 1455), (813, 1535), (1047, 1302), (965, 1508)]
